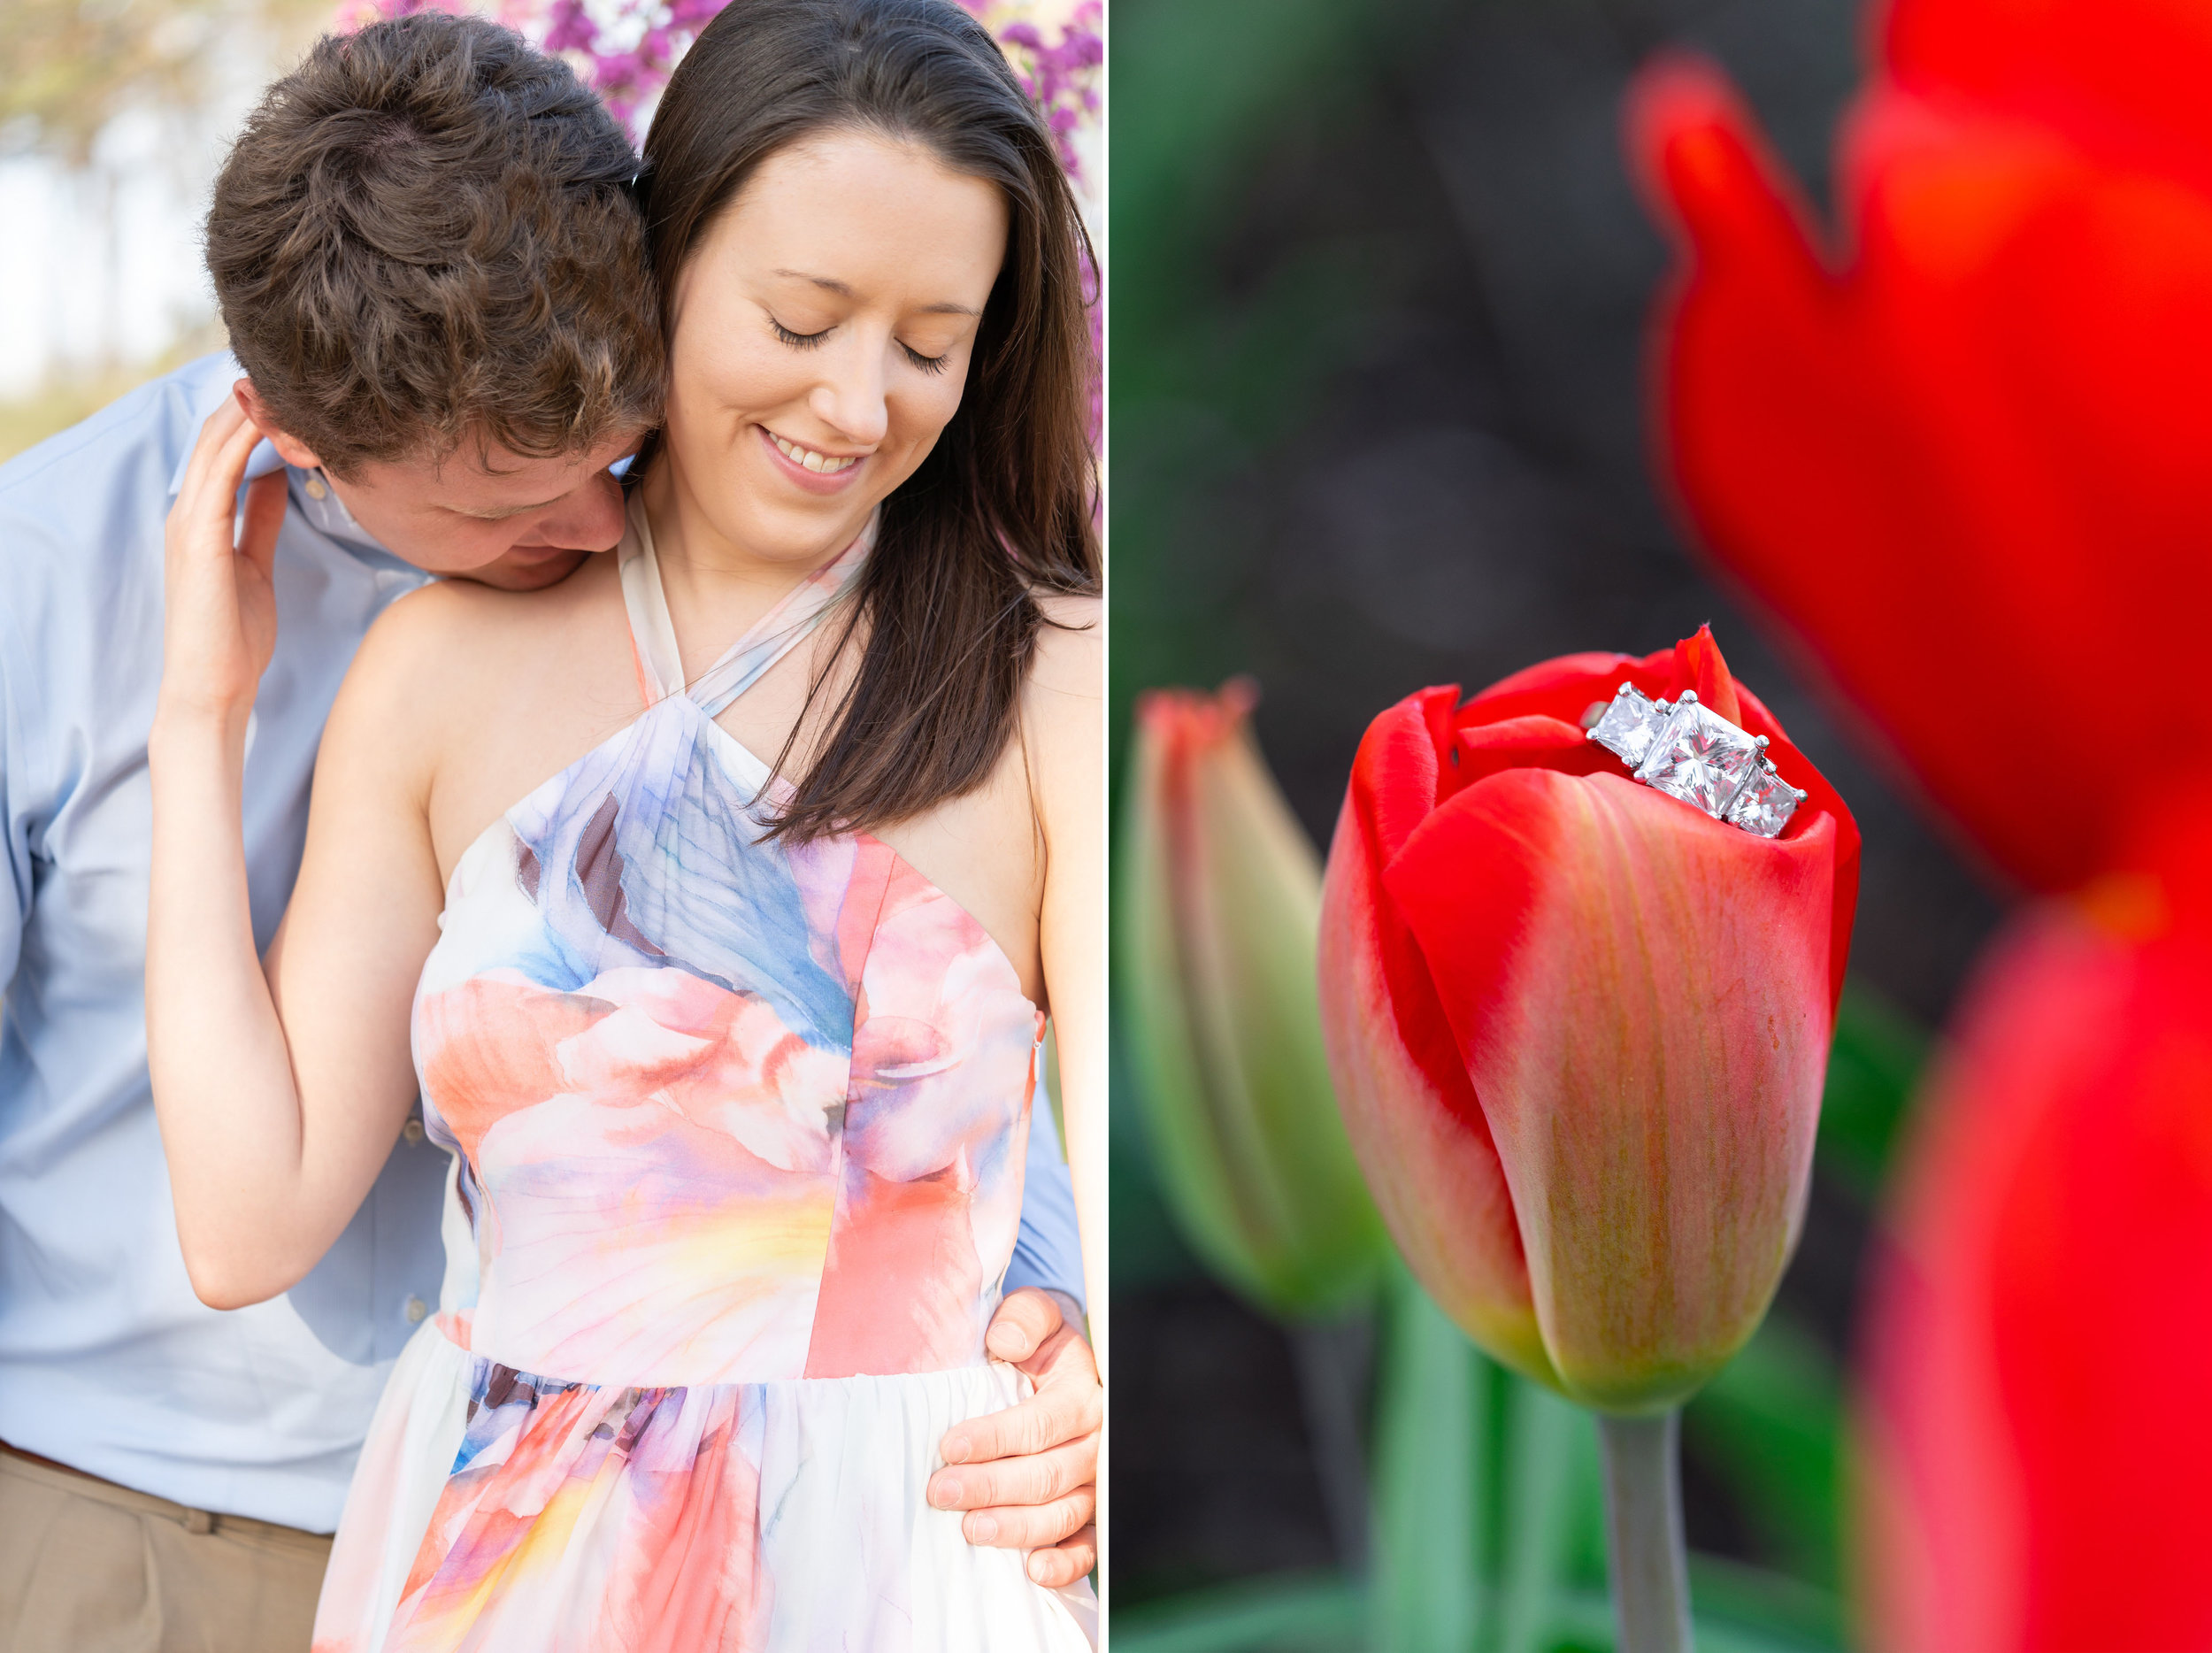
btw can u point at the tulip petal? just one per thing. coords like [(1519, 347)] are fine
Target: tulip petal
[(1657, 1155), (1954, 462), (1698, 666), (1484, 749), (1421, 1137), (2133, 66), (2039, 1318), (1549, 689)]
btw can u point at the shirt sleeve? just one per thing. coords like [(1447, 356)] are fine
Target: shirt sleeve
[(15, 847), (1047, 1252)]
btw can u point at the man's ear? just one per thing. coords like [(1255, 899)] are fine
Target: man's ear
[(290, 448)]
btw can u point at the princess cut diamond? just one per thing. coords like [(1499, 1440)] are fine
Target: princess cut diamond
[(1764, 802), (1700, 758), (1628, 725)]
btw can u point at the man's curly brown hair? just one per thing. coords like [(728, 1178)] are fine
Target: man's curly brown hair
[(426, 235)]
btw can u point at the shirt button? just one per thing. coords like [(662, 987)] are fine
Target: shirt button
[(413, 1132), (315, 488), (416, 1309)]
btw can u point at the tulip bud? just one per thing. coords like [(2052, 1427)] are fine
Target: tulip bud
[(1217, 901), (1578, 1026)]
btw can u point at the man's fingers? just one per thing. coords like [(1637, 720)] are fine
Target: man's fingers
[(1030, 1526), (265, 516), (1054, 1414), (1038, 1478), (1067, 1561), (1024, 1320)]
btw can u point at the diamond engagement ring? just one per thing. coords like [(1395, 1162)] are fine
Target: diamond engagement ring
[(1693, 754)]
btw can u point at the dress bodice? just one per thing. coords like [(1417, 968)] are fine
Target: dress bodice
[(724, 1109)]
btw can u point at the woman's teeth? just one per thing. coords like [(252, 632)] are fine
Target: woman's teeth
[(812, 460)]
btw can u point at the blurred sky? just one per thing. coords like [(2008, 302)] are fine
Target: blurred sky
[(100, 265), (114, 115)]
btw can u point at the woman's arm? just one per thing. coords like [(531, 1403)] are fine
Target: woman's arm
[(279, 1091), (1066, 711)]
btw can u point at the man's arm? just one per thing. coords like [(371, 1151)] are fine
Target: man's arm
[(1026, 1475), (1047, 1253), (16, 789)]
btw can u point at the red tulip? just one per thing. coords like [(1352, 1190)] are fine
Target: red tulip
[(1960, 455), (1579, 1027), (2040, 1326)]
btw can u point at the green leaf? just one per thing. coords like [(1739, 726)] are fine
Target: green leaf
[(1548, 1451), (1322, 1613), (1299, 1613), (1785, 1612), (1772, 1423), (1872, 1068), (1431, 1465)]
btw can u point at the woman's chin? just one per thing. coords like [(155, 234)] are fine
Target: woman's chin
[(780, 524)]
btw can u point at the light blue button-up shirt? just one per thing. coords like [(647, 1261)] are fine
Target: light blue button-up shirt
[(108, 1362)]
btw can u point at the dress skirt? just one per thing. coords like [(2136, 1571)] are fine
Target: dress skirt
[(501, 1511)]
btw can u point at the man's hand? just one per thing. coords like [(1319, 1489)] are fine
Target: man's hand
[(1028, 1476)]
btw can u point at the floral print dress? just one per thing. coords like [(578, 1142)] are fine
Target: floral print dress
[(738, 1129)]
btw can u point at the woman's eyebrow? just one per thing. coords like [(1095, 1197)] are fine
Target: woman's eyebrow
[(830, 284)]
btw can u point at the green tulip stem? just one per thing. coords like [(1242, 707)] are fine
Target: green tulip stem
[(1643, 1532), (1333, 1359)]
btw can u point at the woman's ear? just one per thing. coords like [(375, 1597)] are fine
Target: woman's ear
[(290, 449)]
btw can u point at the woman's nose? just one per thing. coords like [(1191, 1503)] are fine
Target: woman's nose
[(850, 398)]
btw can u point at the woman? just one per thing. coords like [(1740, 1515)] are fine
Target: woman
[(733, 1022)]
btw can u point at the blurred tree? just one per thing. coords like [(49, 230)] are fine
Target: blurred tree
[(73, 65)]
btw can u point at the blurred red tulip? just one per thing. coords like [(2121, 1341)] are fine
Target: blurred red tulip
[(1579, 1027), (2039, 1324), (1961, 458)]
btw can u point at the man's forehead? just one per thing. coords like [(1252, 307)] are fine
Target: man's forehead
[(489, 476)]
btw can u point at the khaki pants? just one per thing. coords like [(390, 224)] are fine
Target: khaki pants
[(90, 1567)]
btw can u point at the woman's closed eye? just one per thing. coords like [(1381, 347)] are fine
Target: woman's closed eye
[(799, 341), (808, 341)]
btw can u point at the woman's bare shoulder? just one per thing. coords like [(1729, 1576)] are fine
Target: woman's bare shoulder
[(1069, 664), (1064, 705), (441, 655)]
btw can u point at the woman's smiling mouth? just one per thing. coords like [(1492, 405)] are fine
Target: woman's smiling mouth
[(820, 464)]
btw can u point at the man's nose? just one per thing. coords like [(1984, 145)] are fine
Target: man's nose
[(588, 517)]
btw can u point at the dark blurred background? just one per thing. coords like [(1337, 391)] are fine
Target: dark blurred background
[(1380, 291)]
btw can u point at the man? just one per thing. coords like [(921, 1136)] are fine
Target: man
[(427, 242)]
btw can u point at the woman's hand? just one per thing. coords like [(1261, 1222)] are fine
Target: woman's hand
[(221, 624)]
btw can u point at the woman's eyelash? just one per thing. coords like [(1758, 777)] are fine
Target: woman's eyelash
[(808, 341)]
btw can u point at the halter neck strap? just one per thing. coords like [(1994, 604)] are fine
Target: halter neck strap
[(660, 667)]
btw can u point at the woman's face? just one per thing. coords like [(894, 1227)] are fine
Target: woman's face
[(823, 329)]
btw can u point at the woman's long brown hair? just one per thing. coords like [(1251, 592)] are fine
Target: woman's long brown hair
[(1004, 506)]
